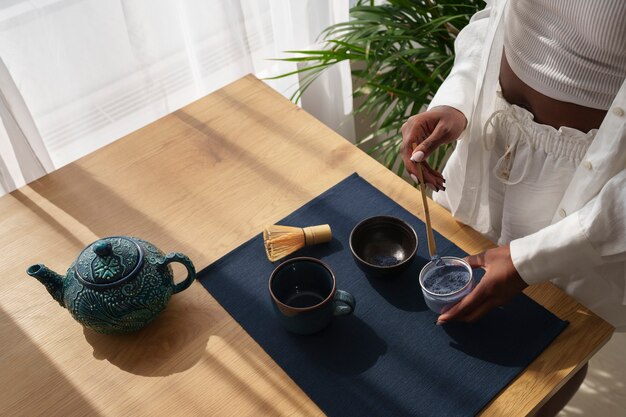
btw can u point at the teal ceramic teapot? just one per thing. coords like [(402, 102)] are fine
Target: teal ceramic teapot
[(118, 284)]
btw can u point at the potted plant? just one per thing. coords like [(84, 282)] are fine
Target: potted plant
[(400, 52)]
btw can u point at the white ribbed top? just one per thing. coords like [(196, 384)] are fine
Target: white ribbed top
[(569, 50)]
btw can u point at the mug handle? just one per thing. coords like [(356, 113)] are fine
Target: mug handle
[(344, 303), (191, 270)]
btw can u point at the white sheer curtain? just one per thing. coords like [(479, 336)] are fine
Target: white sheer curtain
[(76, 75)]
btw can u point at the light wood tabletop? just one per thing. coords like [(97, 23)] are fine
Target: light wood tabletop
[(201, 181)]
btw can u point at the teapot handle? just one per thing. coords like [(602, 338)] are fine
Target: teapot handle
[(191, 270)]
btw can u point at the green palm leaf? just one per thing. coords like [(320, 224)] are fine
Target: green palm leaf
[(401, 51)]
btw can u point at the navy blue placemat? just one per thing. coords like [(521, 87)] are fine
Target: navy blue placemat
[(388, 358)]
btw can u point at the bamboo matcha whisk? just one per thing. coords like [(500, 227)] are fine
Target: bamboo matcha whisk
[(281, 241)]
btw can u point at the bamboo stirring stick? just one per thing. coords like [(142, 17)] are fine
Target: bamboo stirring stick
[(432, 247)]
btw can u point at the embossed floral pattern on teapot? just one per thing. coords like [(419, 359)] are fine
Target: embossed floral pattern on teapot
[(118, 284)]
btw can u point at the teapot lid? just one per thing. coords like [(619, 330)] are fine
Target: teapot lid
[(109, 261)]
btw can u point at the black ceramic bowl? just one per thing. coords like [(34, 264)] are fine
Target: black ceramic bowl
[(383, 246)]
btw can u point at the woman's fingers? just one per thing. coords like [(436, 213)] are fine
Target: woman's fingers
[(466, 307), (432, 178), (444, 125), (432, 171), (422, 134), (476, 261), (435, 176), (438, 137)]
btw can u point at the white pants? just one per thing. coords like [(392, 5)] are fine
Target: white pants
[(531, 165)]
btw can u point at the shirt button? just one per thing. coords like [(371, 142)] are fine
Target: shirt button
[(562, 212), (588, 165), (618, 111)]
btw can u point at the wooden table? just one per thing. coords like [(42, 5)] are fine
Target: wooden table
[(200, 181)]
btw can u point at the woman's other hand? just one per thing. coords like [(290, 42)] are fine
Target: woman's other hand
[(498, 286)]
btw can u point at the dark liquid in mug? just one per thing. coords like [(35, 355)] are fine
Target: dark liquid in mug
[(304, 299)]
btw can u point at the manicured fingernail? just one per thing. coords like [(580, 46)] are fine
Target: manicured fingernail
[(415, 178), (417, 156)]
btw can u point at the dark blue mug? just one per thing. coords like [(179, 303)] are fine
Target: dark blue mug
[(305, 296)]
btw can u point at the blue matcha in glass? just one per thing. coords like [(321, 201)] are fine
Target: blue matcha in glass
[(446, 279), (445, 285)]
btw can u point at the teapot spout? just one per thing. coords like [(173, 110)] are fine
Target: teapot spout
[(49, 278)]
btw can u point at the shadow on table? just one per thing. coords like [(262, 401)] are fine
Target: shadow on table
[(505, 336), (174, 342), (347, 347), (402, 291), (32, 383)]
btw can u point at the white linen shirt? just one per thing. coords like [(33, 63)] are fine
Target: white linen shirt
[(583, 251)]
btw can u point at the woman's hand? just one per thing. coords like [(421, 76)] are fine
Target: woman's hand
[(498, 286), (429, 130)]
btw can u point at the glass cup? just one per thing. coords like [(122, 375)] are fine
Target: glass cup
[(444, 288)]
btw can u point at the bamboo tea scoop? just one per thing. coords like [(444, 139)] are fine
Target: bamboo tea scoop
[(432, 247)]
